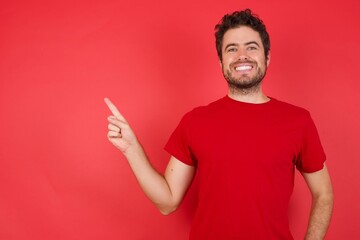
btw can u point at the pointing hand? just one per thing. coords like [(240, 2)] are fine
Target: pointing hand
[(120, 133)]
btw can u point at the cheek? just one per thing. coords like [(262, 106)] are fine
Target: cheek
[(261, 61), (227, 61)]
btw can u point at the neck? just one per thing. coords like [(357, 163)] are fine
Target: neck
[(251, 95)]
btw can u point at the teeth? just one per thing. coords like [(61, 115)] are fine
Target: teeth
[(243, 68)]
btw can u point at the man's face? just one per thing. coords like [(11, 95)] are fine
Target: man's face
[(243, 58)]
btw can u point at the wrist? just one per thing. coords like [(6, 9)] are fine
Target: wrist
[(134, 151)]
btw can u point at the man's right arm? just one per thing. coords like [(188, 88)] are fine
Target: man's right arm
[(165, 191)]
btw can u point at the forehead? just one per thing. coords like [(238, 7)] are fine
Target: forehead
[(241, 35)]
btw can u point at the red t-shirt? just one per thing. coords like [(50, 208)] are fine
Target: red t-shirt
[(245, 156)]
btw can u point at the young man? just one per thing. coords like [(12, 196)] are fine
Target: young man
[(243, 146)]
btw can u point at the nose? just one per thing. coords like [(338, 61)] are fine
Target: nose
[(242, 55)]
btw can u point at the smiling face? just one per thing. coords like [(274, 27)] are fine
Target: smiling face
[(243, 58)]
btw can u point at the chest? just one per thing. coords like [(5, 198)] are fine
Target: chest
[(234, 143)]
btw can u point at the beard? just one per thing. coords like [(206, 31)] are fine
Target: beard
[(244, 82)]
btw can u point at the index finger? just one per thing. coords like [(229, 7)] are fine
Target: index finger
[(114, 109)]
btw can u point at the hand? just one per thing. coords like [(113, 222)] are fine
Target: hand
[(120, 133)]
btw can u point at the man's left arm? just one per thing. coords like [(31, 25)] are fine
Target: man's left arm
[(320, 187)]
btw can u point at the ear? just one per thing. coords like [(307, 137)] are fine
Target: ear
[(268, 59)]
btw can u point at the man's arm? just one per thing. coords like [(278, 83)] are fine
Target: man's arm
[(165, 191), (320, 187)]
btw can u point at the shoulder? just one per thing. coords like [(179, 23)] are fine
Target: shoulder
[(290, 114), (205, 110), (289, 109)]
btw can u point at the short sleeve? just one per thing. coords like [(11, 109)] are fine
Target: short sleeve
[(312, 155), (178, 144)]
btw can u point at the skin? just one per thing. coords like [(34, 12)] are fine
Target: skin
[(242, 47), (322, 194), (165, 191)]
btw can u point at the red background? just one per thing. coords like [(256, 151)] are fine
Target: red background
[(59, 176)]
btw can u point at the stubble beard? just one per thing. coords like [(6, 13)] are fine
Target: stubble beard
[(244, 84)]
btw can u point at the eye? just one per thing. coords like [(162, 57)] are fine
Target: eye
[(231, 49), (252, 48)]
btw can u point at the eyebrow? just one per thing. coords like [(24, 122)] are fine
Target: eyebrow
[(246, 44), (231, 45), (252, 42)]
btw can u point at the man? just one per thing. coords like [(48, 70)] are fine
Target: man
[(244, 148)]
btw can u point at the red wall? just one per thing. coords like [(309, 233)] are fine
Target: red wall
[(59, 176)]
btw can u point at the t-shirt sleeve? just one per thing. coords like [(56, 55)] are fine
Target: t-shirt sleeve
[(178, 144), (312, 155)]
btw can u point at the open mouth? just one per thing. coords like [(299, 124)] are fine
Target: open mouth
[(244, 68)]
